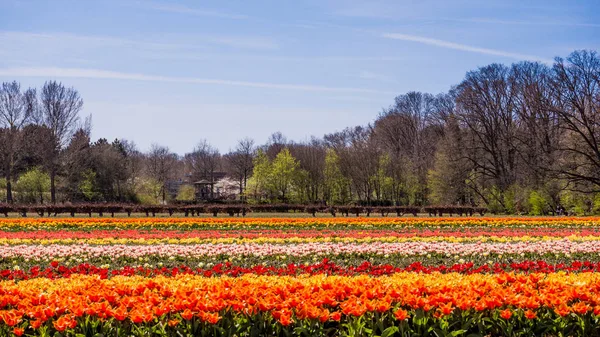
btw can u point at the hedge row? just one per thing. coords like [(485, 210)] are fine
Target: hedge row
[(193, 210)]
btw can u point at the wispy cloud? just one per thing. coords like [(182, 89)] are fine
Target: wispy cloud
[(76, 41), (61, 46), (526, 23), (242, 42), (464, 47), (54, 72), (369, 75), (181, 9)]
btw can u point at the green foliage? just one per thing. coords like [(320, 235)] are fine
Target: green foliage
[(88, 184), (495, 197), (438, 189), (413, 188), (510, 203), (186, 193), (575, 203), (283, 170), (2, 189), (446, 183), (382, 183), (596, 204), (418, 322), (300, 180), (336, 185), (537, 203), (277, 180), (33, 185), (516, 200), (148, 191), (257, 186)]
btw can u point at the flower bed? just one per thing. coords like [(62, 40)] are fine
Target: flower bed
[(485, 304), (311, 277), (24, 224)]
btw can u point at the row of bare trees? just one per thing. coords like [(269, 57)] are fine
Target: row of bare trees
[(35, 128), (514, 138)]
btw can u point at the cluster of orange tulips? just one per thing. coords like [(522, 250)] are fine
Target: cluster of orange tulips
[(262, 277), (402, 301)]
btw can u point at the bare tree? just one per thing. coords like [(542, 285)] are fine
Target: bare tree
[(486, 102), (276, 142), (311, 156), (133, 162), (409, 131), (241, 162), (15, 112), (60, 107), (576, 90), (359, 158), (539, 129), (204, 162), (160, 164)]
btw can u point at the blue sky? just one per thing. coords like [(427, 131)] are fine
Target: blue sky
[(176, 72)]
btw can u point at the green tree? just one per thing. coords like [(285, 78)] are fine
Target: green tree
[(148, 191), (537, 203), (186, 193), (300, 183), (283, 171), (88, 185), (576, 203), (443, 190), (382, 183), (336, 184), (32, 185), (258, 182)]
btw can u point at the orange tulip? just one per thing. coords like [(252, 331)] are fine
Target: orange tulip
[(506, 313), (187, 314), (529, 314), (401, 314)]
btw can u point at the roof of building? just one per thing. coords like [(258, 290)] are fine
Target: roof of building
[(202, 182)]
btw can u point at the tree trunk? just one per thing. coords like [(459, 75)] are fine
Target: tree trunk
[(9, 198), (245, 184), (53, 186), (8, 189)]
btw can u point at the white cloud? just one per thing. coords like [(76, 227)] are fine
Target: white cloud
[(28, 45), (181, 9), (463, 47), (529, 23), (241, 42), (369, 75), (54, 72)]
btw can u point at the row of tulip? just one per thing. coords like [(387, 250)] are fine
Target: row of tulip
[(403, 304), (20, 224), (450, 233), (432, 262), (55, 270), (167, 251), (294, 240)]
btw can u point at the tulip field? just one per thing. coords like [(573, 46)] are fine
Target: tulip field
[(344, 276)]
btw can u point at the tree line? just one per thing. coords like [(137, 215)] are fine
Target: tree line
[(520, 138)]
